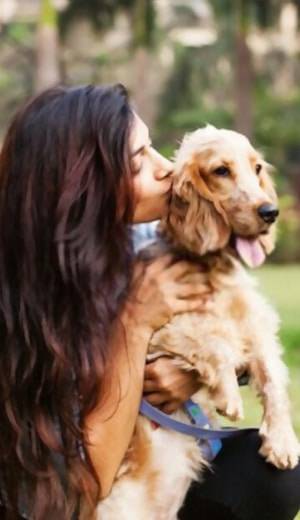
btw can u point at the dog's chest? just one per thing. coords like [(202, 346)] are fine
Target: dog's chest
[(230, 317)]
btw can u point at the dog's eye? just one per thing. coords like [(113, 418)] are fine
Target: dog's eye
[(222, 171), (258, 168)]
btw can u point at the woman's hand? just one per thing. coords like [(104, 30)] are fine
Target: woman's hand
[(168, 386), (159, 291)]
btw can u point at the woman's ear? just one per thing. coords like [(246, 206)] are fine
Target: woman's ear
[(196, 219)]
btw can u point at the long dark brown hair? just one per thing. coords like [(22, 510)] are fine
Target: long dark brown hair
[(66, 198)]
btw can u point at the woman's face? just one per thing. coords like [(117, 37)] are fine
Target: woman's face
[(152, 182)]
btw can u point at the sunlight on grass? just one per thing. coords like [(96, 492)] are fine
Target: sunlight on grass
[(281, 284)]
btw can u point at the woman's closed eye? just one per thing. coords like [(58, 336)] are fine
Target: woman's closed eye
[(142, 149), (139, 155)]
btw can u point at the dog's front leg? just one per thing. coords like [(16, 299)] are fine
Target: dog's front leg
[(226, 395), (216, 367), (279, 442)]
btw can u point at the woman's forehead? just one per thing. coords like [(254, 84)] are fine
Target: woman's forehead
[(139, 134)]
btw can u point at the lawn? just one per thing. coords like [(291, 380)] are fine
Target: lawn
[(281, 284)]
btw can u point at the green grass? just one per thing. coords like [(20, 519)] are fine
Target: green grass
[(282, 285)]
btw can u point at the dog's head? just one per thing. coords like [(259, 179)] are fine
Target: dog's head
[(223, 194)]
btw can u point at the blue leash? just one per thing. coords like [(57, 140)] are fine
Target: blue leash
[(209, 448), (200, 429)]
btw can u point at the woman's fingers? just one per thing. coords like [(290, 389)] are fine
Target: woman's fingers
[(150, 385), (192, 305), (170, 407), (188, 290), (160, 401), (159, 291), (157, 398), (157, 373), (159, 265), (181, 268), (154, 268), (167, 385)]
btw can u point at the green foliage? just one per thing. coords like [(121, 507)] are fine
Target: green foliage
[(264, 14), (48, 14), (16, 59), (99, 12), (196, 94), (269, 111), (102, 59), (288, 241), (5, 80), (19, 33), (143, 23)]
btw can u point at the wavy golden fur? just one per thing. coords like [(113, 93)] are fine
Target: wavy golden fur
[(221, 187)]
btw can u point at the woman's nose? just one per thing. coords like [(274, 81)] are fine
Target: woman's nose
[(162, 166)]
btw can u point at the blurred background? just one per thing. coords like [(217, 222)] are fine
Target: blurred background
[(231, 63)]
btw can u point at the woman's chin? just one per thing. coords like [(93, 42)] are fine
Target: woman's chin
[(150, 213)]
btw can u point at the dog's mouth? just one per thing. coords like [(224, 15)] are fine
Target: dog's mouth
[(249, 249)]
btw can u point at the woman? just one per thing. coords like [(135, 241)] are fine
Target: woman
[(75, 320), (76, 168)]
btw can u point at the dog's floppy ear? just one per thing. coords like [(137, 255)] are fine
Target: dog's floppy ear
[(267, 184), (196, 218)]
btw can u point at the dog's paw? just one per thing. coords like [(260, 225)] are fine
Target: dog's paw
[(280, 447), (232, 407)]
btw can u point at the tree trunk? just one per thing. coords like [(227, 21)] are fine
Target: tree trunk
[(144, 85), (47, 51), (244, 79), (142, 93), (243, 70)]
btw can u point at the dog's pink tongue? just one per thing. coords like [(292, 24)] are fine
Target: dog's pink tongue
[(250, 251)]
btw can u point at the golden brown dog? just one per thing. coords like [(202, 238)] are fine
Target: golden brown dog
[(222, 211)]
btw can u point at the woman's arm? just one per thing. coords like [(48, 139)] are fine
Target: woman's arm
[(156, 295), (110, 426)]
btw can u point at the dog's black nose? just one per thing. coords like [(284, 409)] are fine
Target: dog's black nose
[(268, 212)]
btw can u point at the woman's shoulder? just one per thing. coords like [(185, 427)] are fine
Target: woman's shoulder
[(144, 234)]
